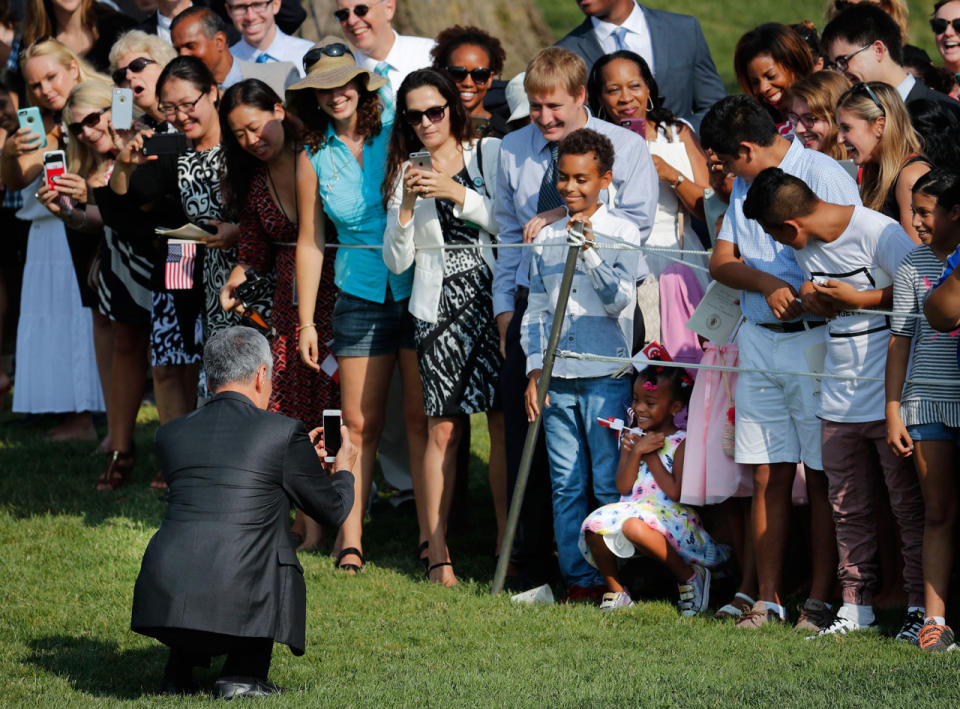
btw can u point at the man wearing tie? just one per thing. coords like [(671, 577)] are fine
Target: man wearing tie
[(527, 200), (262, 40), (672, 45)]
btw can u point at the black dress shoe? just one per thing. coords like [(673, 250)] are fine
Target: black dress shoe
[(230, 687), (174, 686)]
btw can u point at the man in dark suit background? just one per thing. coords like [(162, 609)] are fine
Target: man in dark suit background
[(673, 46), (864, 43), (221, 575)]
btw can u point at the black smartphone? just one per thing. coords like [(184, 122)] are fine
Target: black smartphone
[(332, 419), (165, 144)]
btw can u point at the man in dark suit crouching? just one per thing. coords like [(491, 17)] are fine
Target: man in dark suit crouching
[(220, 576)]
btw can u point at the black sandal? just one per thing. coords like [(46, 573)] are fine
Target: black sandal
[(437, 566), (420, 558), (350, 567)]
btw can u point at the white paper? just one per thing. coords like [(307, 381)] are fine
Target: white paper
[(717, 315), (190, 232)]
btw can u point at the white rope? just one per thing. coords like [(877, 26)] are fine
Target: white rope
[(643, 362)]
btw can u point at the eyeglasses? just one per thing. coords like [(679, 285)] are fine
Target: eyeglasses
[(258, 7), (89, 121), (459, 73), (170, 110), (358, 10), (939, 25), (807, 119), (136, 66), (843, 62), (862, 88), (434, 114), (336, 49)]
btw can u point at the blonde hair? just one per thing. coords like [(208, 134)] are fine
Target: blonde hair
[(139, 42), (64, 56), (95, 94), (897, 9), (821, 91), (555, 68), (898, 141), (38, 20)]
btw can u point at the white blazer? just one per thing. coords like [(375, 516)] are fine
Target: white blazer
[(400, 240)]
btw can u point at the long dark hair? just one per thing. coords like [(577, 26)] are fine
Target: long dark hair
[(404, 140), (303, 105), (658, 115), (939, 130), (239, 165)]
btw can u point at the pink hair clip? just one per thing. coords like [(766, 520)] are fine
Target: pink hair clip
[(649, 386)]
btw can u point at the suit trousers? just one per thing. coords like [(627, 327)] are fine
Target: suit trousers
[(532, 549), (852, 453), (246, 657)]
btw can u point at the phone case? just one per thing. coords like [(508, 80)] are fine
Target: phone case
[(121, 110), (31, 118), (54, 165)]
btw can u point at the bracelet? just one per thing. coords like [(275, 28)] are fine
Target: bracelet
[(304, 327)]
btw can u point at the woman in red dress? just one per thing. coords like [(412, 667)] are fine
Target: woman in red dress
[(260, 142)]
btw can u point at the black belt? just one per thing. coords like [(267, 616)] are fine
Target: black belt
[(792, 326)]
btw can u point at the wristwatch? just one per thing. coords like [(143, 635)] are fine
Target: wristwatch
[(680, 178)]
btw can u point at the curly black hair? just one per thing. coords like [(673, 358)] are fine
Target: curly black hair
[(457, 36), (679, 379), (584, 141)]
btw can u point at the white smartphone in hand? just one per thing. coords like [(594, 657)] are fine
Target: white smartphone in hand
[(121, 110), (332, 419)]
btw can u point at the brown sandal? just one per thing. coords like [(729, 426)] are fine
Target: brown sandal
[(119, 467), (158, 483)]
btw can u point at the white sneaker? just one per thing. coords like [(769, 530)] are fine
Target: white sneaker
[(614, 600), (842, 626), (695, 596)]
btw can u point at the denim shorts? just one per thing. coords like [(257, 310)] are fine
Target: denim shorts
[(363, 328), (934, 432)]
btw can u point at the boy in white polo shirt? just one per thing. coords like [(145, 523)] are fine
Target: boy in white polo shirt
[(851, 254)]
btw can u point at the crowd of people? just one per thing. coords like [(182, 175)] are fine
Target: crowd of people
[(347, 200)]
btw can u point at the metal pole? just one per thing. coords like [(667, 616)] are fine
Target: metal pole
[(533, 429)]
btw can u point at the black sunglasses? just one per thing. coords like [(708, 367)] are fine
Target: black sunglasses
[(90, 121), (939, 25), (358, 10), (335, 49), (434, 114), (863, 88), (459, 73), (136, 66)]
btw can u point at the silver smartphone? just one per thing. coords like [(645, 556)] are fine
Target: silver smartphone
[(422, 160)]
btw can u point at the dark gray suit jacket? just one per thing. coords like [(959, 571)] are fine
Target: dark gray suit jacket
[(222, 560), (686, 75), (922, 91)]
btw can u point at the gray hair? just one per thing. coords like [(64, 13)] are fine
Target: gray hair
[(234, 355)]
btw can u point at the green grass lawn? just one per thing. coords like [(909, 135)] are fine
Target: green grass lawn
[(69, 557), (724, 22)]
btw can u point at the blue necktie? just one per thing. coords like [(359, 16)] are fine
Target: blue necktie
[(264, 58), (549, 197), (620, 36), (386, 93)]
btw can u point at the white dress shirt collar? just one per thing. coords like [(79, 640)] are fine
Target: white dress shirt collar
[(906, 86)]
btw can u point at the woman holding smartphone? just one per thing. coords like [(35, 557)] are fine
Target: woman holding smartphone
[(622, 90), (448, 202), (260, 145), (56, 364), (339, 175)]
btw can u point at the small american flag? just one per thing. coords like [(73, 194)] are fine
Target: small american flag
[(178, 273)]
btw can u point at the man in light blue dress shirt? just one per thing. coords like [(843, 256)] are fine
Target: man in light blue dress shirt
[(776, 425), (556, 87)]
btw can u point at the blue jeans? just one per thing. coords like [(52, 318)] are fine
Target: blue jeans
[(578, 447)]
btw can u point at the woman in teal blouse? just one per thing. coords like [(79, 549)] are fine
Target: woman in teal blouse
[(340, 172)]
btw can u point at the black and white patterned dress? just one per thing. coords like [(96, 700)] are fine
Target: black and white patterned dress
[(459, 356)]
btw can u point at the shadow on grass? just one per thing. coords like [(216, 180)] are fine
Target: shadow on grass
[(99, 667)]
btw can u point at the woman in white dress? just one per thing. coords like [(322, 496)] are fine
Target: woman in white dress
[(56, 365)]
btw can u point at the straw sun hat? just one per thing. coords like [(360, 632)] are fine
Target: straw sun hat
[(331, 64)]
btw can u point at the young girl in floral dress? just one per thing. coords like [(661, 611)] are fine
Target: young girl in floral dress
[(649, 519)]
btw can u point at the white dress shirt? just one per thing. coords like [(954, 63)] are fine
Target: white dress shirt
[(163, 27), (906, 86), (637, 38), (283, 48), (406, 55)]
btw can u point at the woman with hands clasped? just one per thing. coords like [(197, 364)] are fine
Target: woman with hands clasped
[(56, 366), (189, 98), (649, 518), (449, 202)]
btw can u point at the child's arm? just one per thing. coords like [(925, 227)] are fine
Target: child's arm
[(846, 296), (536, 320), (669, 483), (632, 450), (898, 353), (614, 283)]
